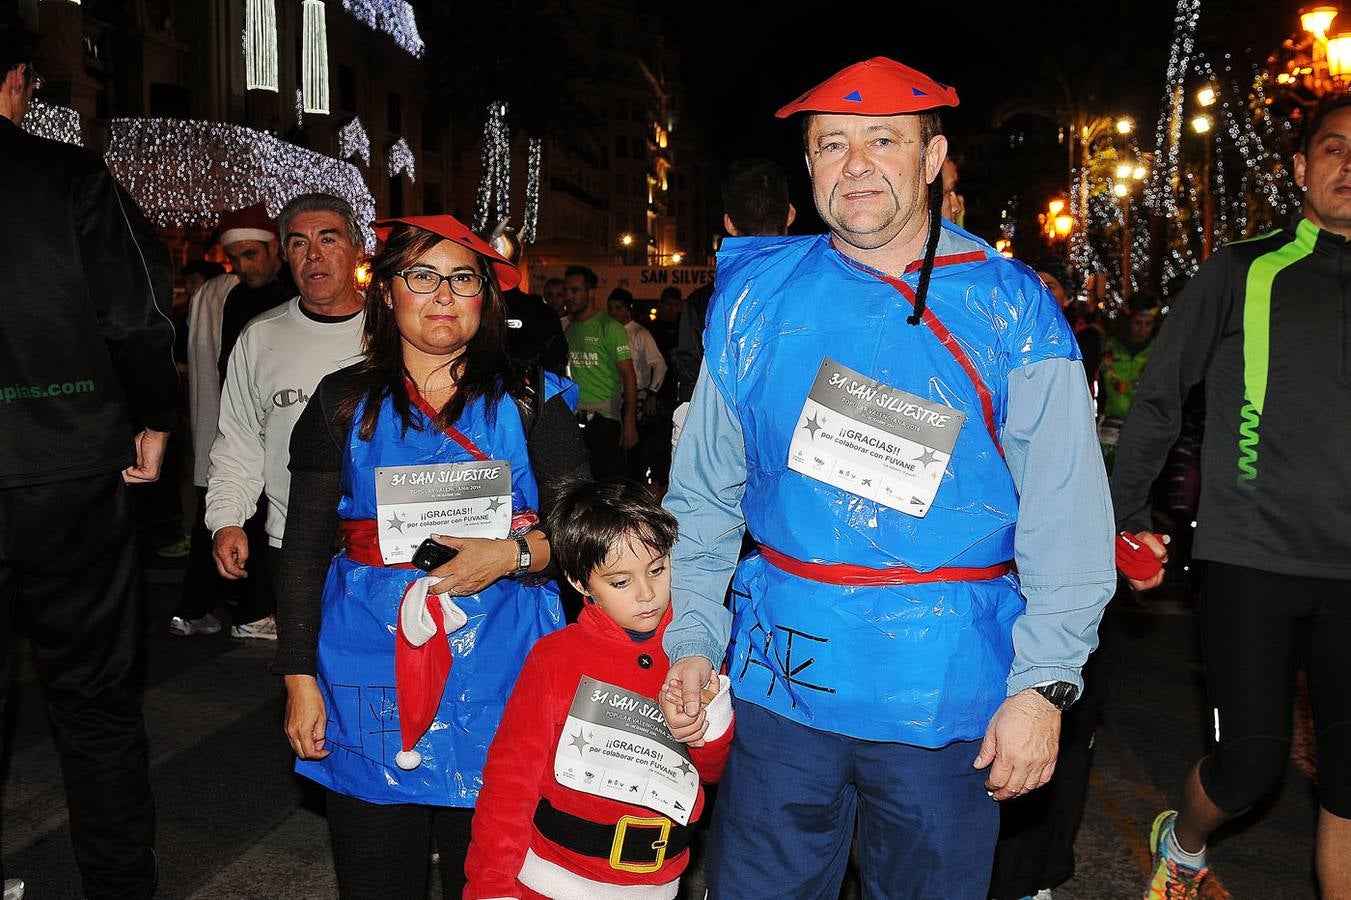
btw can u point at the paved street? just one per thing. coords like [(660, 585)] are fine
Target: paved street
[(234, 823)]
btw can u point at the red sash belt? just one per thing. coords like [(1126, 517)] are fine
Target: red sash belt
[(361, 541), (850, 574)]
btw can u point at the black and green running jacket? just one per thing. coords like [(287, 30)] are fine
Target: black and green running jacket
[(1266, 323)]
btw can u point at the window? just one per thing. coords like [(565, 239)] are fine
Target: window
[(622, 146), (431, 199), (395, 196), (347, 88), (395, 108), (431, 130)]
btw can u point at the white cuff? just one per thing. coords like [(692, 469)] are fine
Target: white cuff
[(719, 710), (415, 621)]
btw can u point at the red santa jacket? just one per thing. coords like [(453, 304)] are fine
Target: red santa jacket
[(519, 771)]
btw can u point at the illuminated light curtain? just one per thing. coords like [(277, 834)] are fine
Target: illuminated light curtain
[(260, 45), (401, 160), (315, 59)]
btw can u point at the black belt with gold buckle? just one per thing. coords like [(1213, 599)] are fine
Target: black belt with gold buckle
[(633, 844)]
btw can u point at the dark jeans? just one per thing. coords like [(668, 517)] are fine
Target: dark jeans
[(383, 850), (203, 587), (601, 436), (791, 795), (68, 564)]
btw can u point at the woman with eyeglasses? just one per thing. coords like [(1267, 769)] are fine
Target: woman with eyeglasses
[(396, 677)]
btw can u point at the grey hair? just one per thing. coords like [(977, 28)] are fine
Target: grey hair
[(320, 202)]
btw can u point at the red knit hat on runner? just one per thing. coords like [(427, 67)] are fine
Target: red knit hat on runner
[(252, 223), (875, 87), (452, 229)]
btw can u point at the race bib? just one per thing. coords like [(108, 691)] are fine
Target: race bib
[(616, 744), (872, 440), (470, 499)]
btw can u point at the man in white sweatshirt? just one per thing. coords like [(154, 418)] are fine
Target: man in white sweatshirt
[(273, 370)]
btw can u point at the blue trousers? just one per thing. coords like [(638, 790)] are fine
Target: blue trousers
[(788, 802)]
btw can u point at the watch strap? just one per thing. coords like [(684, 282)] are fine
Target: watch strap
[(523, 557)]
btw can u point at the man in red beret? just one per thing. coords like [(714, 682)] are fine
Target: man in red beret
[(899, 415)]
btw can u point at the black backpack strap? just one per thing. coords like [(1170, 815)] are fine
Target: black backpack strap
[(531, 403)]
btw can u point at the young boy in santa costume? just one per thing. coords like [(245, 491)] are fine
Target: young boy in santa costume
[(537, 837)]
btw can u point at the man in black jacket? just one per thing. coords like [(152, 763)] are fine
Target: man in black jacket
[(1266, 325), (88, 394)]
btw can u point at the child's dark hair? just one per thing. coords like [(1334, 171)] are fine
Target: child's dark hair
[(589, 519)]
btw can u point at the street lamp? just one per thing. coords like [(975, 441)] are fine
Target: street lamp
[(1127, 175), (626, 240), (1339, 55), (1317, 20)]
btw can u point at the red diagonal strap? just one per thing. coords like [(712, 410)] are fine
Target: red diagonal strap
[(452, 432), (949, 342)]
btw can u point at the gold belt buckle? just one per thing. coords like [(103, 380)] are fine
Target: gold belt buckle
[(659, 845)]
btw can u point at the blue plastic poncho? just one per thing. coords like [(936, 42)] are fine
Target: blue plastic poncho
[(922, 664), (360, 609)]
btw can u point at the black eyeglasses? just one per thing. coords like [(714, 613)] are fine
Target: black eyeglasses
[(428, 281), (36, 80)]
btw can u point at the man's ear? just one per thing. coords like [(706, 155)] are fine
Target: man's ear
[(729, 226), (792, 217), (934, 154), (14, 79), (1300, 169)]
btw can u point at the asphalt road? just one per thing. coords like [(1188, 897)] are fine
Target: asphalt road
[(235, 823)]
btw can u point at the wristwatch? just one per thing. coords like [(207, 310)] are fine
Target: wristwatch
[(1059, 694), (522, 557)]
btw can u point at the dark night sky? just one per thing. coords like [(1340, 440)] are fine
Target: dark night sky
[(739, 67)]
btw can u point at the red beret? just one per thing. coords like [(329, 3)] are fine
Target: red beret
[(452, 229), (877, 87), (252, 223)]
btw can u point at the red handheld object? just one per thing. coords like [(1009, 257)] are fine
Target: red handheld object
[(1135, 560)]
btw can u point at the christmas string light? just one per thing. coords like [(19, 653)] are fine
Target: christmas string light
[(1159, 195), (401, 160), (186, 172), (393, 17), (353, 141), (530, 218), (314, 58), (260, 45), (300, 108), (495, 176), (59, 123)]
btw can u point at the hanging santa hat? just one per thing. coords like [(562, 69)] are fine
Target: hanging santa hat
[(421, 663), (252, 223)]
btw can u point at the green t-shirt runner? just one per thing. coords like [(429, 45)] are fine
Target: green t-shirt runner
[(595, 349)]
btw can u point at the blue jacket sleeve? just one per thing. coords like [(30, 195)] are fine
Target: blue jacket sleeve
[(708, 479), (1064, 539)]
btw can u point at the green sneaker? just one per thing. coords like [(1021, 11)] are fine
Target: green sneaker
[(1171, 880)]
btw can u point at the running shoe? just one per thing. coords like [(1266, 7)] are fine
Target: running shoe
[(181, 627), (1172, 880), (265, 629)]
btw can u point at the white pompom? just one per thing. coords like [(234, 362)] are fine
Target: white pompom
[(408, 760)]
